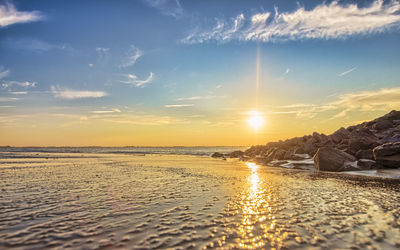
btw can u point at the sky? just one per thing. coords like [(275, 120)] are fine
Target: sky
[(192, 73)]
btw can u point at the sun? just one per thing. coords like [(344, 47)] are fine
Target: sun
[(256, 121)]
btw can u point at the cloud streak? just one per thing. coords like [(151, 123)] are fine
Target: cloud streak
[(4, 73), (371, 100), (64, 93), (325, 21), (206, 97), (178, 105), (26, 84), (9, 15), (35, 45), (134, 81), (8, 99), (106, 111), (347, 72)]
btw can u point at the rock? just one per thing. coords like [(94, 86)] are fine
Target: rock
[(366, 164), (334, 160), (391, 116), (387, 149), (387, 155), (279, 154), (310, 147), (289, 154), (236, 154), (389, 162), (381, 125), (245, 158), (339, 135), (217, 155), (361, 138), (365, 154), (300, 151)]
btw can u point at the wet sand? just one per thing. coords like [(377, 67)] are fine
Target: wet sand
[(92, 201)]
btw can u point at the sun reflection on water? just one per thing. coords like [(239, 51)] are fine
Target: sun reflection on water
[(257, 218)]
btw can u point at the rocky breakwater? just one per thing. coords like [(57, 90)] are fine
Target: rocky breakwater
[(369, 145)]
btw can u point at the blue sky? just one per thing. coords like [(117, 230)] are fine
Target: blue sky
[(192, 64)]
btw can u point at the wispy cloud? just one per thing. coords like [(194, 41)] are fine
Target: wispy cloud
[(65, 93), (106, 111), (206, 97), (287, 71), (4, 73), (178, 105), (19, 92), (131, 56), (325, 21), (133, 80), (370, 100), (298, 105), (10, 15), (10, 84), (101, 49), (167, 7), (8, 99), (102, 56), (347, 71), (35, 45)]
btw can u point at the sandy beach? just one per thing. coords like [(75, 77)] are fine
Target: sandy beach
[(120, 201)]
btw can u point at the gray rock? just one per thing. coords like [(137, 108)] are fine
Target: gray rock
[(334, 160), (300, 151), (381, 125), (365, 154), (289, 154), (366, 164), (236, 154), (217, 155), (361, 138), (310, 147), (339, 135), (387, 155), (280, 154), (387, 149)]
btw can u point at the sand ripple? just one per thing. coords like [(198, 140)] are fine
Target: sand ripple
[(158, 201)]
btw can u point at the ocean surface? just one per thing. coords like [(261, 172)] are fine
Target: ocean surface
[(180, 198), (201, 151)]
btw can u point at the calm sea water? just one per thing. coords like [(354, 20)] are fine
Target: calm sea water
[(200, 151)]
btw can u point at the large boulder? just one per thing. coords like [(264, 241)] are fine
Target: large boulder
[(217, 155), (361, 138), (310, 147), (365, 164), (387, 155), (387, 149), (334, 160), (381, 125), (339, 135), (365, 154), (391, 116), (289, 154), (279, 154), (236, 154)]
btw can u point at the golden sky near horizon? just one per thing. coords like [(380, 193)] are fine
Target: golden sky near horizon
[(187, 76)]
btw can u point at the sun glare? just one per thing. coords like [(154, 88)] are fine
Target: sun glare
[(256, 120)]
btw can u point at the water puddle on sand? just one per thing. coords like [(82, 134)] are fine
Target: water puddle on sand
[(97, 201)]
